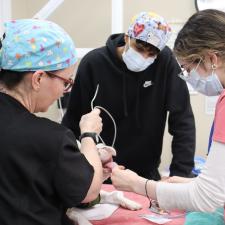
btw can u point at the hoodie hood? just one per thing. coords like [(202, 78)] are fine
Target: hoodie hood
[(114, 41)]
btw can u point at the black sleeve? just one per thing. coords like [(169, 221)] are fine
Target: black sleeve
[(181, 123), (73, 173), (80, 98)]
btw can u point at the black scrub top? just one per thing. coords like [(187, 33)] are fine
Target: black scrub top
[(42, 172)]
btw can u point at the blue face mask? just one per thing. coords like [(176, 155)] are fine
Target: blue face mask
[(135, 61), (209, 86)]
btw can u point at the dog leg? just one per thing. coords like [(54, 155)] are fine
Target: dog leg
[(117, 197), (77, 217)]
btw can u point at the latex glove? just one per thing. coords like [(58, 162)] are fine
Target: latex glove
[(91, 122), (106, 154)]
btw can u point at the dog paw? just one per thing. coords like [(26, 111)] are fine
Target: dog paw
[(129, 204), (117, 197)]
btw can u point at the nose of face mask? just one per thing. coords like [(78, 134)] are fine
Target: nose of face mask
[(135, 61), (209, 86)]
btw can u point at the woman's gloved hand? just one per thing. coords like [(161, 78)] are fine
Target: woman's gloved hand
[(106, 154)]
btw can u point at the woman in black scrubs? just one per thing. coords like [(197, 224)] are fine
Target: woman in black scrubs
[(42, 171)]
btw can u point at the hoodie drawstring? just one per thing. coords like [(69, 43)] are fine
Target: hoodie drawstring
[(137, 104), (137, 108), (125, 96)]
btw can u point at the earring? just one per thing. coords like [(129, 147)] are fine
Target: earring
[(214, 66)]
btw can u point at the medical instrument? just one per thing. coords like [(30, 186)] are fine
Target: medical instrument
[(106, 111)]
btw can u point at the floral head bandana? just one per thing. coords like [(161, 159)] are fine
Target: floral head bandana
[(31, 44)]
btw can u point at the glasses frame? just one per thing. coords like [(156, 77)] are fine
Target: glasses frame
[(184, 74), (69, 82)]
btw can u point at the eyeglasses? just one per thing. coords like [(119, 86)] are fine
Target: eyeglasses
[(68, 83), (185, 72)]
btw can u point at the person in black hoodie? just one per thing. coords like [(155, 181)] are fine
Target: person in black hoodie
[(139, 85)]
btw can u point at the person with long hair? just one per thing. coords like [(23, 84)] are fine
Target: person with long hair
[(200, 50)]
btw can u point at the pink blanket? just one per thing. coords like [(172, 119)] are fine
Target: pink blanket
[(127, 217)]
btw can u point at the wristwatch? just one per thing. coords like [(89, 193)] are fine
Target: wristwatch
[(92, 135)]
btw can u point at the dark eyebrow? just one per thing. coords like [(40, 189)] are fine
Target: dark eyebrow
[(147, 46)]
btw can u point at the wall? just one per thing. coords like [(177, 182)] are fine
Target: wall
[(5, 13), (89, 23)]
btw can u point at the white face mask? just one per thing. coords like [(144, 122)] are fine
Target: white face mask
[(135, 61), (210, 86)]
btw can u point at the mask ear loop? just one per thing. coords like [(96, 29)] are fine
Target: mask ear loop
[(129, 41), (125, 47), (111, 117), (200, 61), (60, 109)]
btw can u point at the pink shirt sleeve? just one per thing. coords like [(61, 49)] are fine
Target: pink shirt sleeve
[(219, 121)]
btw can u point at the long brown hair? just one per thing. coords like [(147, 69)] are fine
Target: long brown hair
[(204, 31)]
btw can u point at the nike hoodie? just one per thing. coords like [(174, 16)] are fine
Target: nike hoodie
[(140, 103)]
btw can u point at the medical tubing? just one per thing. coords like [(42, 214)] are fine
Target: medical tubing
[(106, 111)]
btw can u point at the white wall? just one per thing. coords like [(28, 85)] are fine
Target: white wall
[(5, 13)]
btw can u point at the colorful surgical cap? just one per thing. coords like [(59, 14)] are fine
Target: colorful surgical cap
[(151, 28), (32, 44)]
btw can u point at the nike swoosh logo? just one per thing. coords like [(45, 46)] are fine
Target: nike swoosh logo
[(147, 83)]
